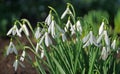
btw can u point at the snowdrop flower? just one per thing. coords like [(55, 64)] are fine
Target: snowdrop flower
[(104, 53), (51, 28), (38, 33), (67, 11), (15, 64), (42, 54), (101, 29), (89, 39), (14, 30), (48, 19), (23, 56), (37, 47), (72, 29), (48, 41), (63, 37), (68, 25), (105, 35), (78, 27), (113, 44), (11, 49), (24, 29)]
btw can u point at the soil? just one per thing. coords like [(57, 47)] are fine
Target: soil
[(6, 62)]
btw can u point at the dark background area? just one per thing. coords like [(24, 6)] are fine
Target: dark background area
[(37, 10)]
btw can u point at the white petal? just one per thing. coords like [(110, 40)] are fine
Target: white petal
[(18, 32), (86, 44), (10, 31), (106, 38), (25, 30), (104, 54), (37, 47), (113, 44), (64, 37), (64, 13), (79, 27), (101, 28), (42, 54), (48, 19), (53, 29), (22, 56), (9, 50), (41, 40), (47, 40), (15, 64), (37, 33), (86, 38)]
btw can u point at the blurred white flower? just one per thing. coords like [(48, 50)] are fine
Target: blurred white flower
[(105, 35), (37, 47), (23, 56), (68, 25), (42, 53), (101, 29), (79, 27), (11, 48), (48, 19), (67, 11), (24, 29), (89, 40), (63, 37), (72, 29), (48, 41), (113, 45), (38, 33), (104, 53), (14, 30), (15, 64), (51, 28)]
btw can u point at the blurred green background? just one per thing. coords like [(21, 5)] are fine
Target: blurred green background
[(37, 10)]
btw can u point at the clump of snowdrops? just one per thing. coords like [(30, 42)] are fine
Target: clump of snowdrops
[(66, 46)]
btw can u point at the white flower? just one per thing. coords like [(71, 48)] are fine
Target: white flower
[(68, 25), (106, 38), (104, 53), (101, 28), (11, 49), (89, 39), (23, 56), (63, 37), (38, 33), (48, 41), (48, 19), (79, 27), (42, 54), (67, 11), (15, 64), (37, 47), (113, 44), (51, 28), (24, 29), (72, 29), (14, 30), (104, 34)]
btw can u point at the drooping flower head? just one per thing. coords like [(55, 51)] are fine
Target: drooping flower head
[(14, 31), (67, 11), (11, 48)]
